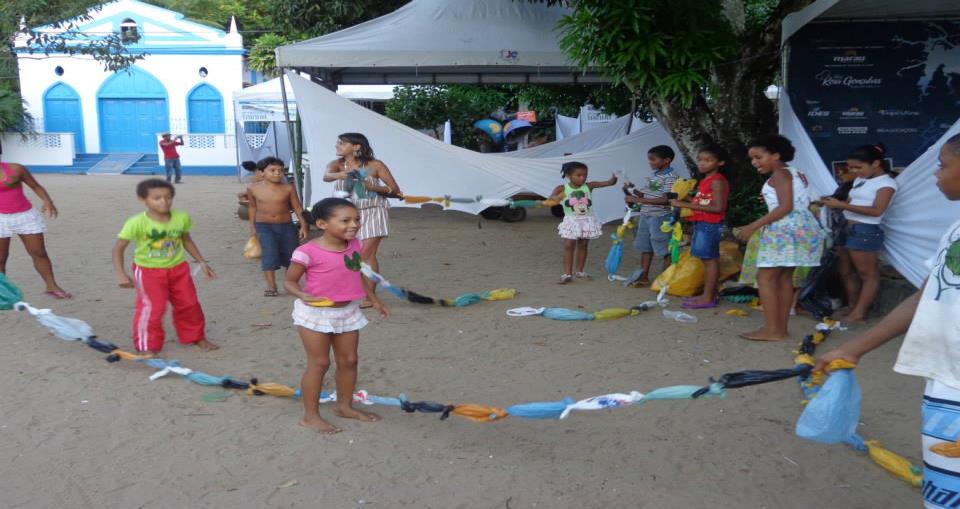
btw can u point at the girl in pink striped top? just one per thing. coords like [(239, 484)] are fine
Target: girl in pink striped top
[(327, 311)]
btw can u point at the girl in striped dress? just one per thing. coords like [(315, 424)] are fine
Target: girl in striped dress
[(365, 181)]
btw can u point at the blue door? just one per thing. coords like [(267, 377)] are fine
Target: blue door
[(205, 110), (133, 110), (132, 125), (61, 113)]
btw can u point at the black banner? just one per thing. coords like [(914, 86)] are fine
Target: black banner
[(861, 83)]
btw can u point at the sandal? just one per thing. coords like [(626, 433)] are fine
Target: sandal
[(583, 275), (564, 279), (58, 294), (270, 293)]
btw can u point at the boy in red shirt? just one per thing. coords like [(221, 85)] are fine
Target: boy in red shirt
[(171, 159)]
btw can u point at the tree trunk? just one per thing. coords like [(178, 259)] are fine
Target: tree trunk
[(735, 108)]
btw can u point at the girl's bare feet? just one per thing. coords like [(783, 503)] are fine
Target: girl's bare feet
[(353, 413), (206, 346), (763, 335), (319, 425)]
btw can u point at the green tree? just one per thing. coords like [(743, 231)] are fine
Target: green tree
[(262, 56), (701, 67)]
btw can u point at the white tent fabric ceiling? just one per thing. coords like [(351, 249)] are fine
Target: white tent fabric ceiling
[(426, 167), (443, 41)]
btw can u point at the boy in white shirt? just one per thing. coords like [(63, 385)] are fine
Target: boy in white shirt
[(931, 348)]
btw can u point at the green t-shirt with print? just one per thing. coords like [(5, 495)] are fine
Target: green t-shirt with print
[(159, 245)]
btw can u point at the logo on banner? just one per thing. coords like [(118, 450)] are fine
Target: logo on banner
[(853, 112), (818, 131), (509, 54), (898, 113), (897, 130), (817, 112), (828, 79), (853, 129), (850, 57)]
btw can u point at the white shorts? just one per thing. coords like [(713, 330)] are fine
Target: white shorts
[(329, 320), (22, 223)]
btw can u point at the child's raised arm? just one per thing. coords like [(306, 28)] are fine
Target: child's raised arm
[(191, 248), (557, 194), (605, 183), (123, 279)]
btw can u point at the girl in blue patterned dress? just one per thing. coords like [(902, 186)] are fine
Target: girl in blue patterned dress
[(790, 235)]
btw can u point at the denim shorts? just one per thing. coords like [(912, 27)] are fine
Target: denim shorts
[(649, 237), (706, 240), (277, 242), (863, 237)]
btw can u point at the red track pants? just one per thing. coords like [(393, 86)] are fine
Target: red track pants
[(154, 288)]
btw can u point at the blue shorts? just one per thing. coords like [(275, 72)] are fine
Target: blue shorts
[(277, 242), (706, 240), (649, 237), (862, 237)]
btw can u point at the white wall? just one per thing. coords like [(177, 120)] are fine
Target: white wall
[(46, 149), (178, 73), (205, 150)]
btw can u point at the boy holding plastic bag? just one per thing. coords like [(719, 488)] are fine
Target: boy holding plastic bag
[(931, 348)]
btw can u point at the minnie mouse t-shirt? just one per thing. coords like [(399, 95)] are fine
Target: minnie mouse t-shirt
[(578, 201)]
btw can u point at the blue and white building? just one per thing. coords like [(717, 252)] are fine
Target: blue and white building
[(86, 115)]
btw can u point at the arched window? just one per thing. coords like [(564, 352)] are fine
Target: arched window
[(205, 110)]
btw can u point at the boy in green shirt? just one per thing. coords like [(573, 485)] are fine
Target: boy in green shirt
[(160, 272)]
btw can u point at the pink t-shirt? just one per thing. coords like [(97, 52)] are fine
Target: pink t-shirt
[(12, 199), (327, 273)]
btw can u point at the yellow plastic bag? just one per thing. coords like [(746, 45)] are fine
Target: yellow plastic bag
[(252, 251), (731, 259), (683, 187), (684, 277)]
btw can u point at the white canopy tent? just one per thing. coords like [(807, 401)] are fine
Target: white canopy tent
[(424, 166), (443, 41), (919, 213)]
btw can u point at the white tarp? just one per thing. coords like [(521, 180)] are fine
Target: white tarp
[(918, 215), (444, 41), (426, 167), (807, 159), (567, 126)]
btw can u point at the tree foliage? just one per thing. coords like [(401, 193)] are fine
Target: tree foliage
[(262, 56)]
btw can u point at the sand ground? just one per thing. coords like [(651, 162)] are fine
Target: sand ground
[(76, 431)]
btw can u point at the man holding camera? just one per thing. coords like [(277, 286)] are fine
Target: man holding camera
[(171, 159)]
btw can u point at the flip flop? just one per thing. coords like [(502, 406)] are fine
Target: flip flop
[(59, 294), (706, 305), (270, 293)]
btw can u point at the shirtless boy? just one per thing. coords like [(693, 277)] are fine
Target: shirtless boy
[(271, 201)]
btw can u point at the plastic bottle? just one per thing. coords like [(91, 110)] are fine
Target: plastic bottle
[(679, 316)]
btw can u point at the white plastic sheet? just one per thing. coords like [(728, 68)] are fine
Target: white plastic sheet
[(918, 215), (426, 167)]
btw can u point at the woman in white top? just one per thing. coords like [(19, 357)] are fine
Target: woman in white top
[(369, 182), (870, 196)]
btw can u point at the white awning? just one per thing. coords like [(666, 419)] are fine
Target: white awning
[(443, 41)]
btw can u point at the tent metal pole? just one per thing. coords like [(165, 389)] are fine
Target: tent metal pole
[(290, 137), (236, 146), (633, 112)]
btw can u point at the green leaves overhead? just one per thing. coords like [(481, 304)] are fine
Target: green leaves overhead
[(664, 47)]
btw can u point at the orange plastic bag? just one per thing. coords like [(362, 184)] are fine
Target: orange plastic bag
[(252, 250)]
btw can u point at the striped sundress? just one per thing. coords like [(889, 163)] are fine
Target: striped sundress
[(374, 213)]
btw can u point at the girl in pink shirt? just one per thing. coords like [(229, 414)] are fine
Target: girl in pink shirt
[(327, 311), (19, 217)]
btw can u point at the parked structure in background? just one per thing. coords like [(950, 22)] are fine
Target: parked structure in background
[(87, 117)]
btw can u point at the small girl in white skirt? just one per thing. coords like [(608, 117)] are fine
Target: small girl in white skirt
[(579, 225), (327, 311)]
